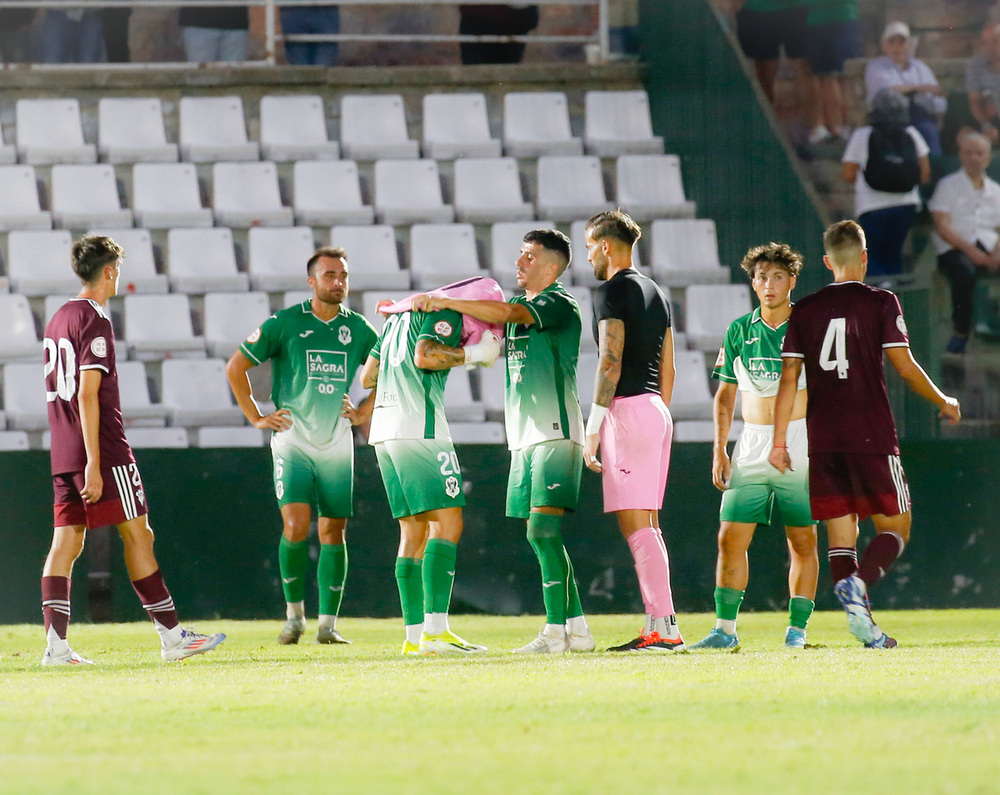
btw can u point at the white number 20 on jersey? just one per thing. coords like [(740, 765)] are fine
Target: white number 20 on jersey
[(833, 354)]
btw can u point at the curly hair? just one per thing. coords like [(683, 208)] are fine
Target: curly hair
[(779, 254), (91, 253)]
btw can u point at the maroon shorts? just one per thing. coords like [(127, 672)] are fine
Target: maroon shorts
[(123, 498), (866, 484)]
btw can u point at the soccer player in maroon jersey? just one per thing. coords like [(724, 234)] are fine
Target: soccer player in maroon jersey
[(839, 334), (94, 474)]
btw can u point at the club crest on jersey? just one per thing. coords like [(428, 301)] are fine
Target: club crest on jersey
[(99, 347), (451, 487), (326, 366), (442, 327), (344, 335), (254, 337), (901, 324), (720, 360)]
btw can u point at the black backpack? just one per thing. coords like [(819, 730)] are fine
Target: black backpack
[(893, 165)]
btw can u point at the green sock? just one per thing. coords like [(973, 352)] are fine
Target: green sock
[(293, 561), (330, 577), (409, 580), (439, 574), (799, 610), (546, 539), (574, 607), (727, 603)]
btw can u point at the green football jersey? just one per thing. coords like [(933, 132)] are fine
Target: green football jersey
[(751, 356), (313, 364), (541, 401), (409, 401)]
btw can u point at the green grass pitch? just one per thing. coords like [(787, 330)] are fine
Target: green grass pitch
[(256, 717)]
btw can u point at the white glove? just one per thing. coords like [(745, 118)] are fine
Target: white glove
[(485, 351)]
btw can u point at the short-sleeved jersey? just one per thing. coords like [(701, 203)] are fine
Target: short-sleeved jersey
[(840, 333), (639, 303), (541, 401), (79, 337), (313, 364), (750, 357), (409, 401)]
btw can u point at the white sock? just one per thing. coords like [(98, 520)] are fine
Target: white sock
[(554, 631), (649, 625), (666, 626), (330, 622), (435, 623), (169, 637), (295, 610), (726, 625), (413, 632), (577, 625)]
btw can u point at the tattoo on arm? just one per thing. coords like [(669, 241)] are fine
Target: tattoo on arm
[(432, 355), (611, 333)]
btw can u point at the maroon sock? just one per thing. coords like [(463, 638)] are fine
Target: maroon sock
[(880, 554), (843, 562), (156, 600), (55, 604)]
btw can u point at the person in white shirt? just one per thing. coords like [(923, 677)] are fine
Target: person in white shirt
[(898, 69), (886, 217), (966, 211)]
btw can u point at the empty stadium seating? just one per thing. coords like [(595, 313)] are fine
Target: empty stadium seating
[(131, 130), (293, 127), (457, 125)]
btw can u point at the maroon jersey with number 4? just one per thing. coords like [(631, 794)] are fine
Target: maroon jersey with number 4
[(840, 333), (79, 337)]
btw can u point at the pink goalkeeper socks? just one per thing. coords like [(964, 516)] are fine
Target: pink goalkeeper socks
[(653, 569)]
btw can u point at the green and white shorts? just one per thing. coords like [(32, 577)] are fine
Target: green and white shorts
[(322, 477), (420, 475), (544, 475), (756, 487)]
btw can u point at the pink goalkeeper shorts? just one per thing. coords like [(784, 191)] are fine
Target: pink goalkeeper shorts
[(635, 453)]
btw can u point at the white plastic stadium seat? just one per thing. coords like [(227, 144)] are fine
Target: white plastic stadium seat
[(477, 432), (8, 152), (457, 125), (166, 195), (370, 301), (139, 266), (459, 405), (247, 194), (203, 260), (39, 263), (137, 409), (692, 397), (18, 338), (586, 370), (196, 392), (160, 325), (373, 126), (19, 204), (50, 131), (293, 127), (87, 196), (585, 299), (709, 309), (164, 438), (372, 256), (230, 318), (328, 192), (492, 384), (295, 297), (571, 188), (229, 436), (619, 123), (13, 441), (24, 396), (488, 189), (537, 123), (130, 130), (52, 305), (506, 239), (409, 192), (686, 252), (278, 257), (441, 254), (214, 128), (649, 186)]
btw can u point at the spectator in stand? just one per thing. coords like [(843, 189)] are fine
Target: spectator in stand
[(982, 81), (215, 33), (495, 20), (966, 211), (311, 20), (763, 28), (831, 38), (14, 24), (71, 35), (886, 215), (898, 69), (114, 22)]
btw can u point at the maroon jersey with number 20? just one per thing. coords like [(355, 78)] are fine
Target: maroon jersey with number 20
[(79, 337), (840, 333)]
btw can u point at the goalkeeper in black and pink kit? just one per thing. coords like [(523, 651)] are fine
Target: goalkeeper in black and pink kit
[(94, 474), (840, 334)]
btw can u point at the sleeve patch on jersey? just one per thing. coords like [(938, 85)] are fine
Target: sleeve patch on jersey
[(720, 360), (901, 324), (99, 347), (254, 337), (442, 328)]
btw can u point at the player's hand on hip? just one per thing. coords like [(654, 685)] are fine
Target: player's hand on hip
[(281, 420), (590, 447), (951, 410), (780, 459), (93, 484)]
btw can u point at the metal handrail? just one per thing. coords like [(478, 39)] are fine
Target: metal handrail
[(271, 37)]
